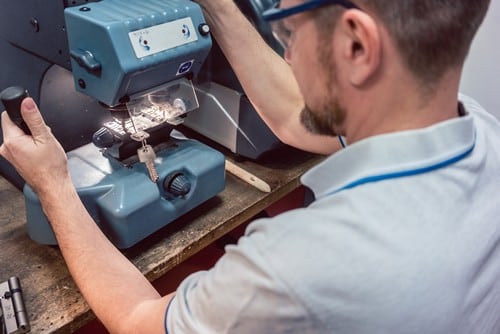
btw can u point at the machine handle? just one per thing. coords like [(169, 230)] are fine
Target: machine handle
[(12, 97), (86, 60)]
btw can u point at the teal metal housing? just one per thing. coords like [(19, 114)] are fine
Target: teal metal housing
[(125, 204), (103, 48)]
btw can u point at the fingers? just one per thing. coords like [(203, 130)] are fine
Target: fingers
[(33, 118), (9, 128), (11, 133)]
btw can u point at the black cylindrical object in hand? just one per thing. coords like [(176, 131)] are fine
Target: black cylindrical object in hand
[(12, 98)]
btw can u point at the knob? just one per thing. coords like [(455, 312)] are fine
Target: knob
[(12, 98), (103, 138), (177, 184), (204, 29)]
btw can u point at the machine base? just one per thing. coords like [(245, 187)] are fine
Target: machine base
[(123, 201)]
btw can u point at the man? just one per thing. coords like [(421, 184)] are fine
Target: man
[(404, 234)]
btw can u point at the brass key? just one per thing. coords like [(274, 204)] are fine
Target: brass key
[(147, 156)]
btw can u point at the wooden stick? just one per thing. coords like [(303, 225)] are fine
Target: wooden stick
[(247, 177)]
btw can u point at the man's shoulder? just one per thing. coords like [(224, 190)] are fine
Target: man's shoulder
[(474, 107)]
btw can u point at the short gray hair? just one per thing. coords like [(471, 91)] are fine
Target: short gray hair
[(432, 36)]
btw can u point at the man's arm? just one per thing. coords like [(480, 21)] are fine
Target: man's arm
[(266, 78), (120, 296)]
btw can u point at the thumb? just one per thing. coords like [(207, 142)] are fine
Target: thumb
[(33, 118)]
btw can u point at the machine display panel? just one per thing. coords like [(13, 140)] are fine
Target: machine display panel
[(152, 40)]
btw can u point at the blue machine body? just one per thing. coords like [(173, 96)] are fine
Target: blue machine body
[(123, 201), (122, 48)]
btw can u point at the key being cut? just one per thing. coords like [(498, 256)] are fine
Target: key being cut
[(147, 156)]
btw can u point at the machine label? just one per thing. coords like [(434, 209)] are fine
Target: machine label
[(152, 40), (185, 67)]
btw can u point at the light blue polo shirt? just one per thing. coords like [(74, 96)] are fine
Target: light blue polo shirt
[(403, 237)]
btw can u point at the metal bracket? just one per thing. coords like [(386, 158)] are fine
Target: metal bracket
[(13, 315)]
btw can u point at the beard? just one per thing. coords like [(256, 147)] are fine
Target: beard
[(328, 118), (326, 121)]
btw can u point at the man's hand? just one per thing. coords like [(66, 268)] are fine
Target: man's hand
[(39, 158)]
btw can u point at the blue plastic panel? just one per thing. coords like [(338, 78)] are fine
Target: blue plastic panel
[(138, 44)]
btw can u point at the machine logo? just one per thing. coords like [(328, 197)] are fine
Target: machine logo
[(185, 67), (185, 31)]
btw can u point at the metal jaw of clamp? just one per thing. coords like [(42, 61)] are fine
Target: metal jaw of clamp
[(13, 315)]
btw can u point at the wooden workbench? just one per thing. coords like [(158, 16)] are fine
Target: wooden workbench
[(53, 301)]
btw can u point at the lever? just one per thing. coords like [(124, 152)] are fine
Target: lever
[(12, 97), (86, 60)]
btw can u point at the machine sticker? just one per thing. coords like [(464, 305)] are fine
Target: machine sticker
[(185, 67), (152, 40)]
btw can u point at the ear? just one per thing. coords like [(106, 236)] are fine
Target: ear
[(361, 46)]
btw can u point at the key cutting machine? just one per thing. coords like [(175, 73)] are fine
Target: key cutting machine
[(112, 79)]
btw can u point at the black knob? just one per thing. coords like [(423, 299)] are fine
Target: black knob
[(204, 29), (12, 98), (177, 184), (103, 138)]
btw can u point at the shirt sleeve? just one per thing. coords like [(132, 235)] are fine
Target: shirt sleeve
[(240, 294)]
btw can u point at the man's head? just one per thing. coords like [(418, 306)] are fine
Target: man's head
[(432, 36), (364, 47)]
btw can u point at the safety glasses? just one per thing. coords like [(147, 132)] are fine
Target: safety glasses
[(275, 16)]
